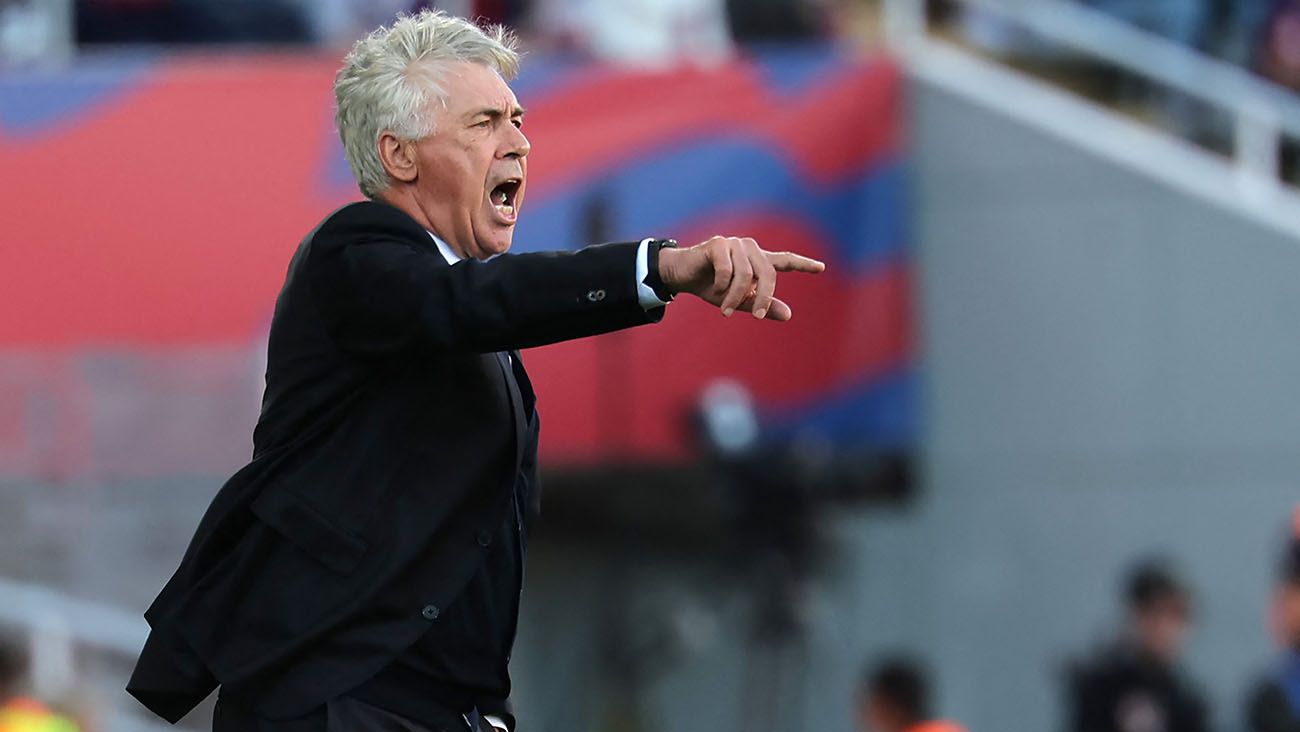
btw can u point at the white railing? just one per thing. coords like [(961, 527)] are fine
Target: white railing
[(56, 624), (1262, 113)]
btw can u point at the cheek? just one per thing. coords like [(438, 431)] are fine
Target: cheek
[(1289, 610), (444, 175), (1174, 630)]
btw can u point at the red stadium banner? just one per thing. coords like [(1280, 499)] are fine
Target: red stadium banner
[(150, 207)]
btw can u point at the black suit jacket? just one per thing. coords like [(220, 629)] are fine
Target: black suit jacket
[(390, 439)]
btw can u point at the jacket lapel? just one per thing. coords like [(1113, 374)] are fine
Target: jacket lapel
[(525, 386), (516, 402)]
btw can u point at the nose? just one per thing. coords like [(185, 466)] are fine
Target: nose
[(516, 144)]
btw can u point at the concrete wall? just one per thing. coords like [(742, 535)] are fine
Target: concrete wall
[(1112, 369)]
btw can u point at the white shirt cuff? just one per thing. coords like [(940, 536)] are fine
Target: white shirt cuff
[(645, 294), (495, 721)]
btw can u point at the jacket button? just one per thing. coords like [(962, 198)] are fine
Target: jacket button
[(485, 538), (595, 295), (430, 612)]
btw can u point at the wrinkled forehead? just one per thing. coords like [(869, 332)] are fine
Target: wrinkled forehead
[(471, 87)]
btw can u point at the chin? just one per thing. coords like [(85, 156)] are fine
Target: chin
[(498, 244)]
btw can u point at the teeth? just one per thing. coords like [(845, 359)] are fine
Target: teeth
[(505, 210)]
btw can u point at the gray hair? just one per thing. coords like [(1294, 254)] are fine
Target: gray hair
[(389, 78)]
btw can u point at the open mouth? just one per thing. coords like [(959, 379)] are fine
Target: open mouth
[(503, 197)]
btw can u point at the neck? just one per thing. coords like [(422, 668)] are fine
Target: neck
[(406, 202)]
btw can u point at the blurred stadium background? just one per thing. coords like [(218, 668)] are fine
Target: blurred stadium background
[(1057, 334)]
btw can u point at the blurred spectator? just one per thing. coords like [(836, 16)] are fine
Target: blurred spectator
[(503, 12), (1184, 21), (1135, 684), (1236, 29), (19, 713), (637, 32), (640, 32), (191, 21), (1279, 51), (1274, 704), (895, 697), (340, 22), (13, 669), (775, 20)]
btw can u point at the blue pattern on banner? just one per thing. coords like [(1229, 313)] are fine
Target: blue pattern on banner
[(35, 103)]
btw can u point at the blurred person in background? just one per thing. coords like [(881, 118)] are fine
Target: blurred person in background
[(1273, 705), (275, 22), (777, 20), (364, 570), (191, 22), (895, 697), (337, 23), (650, 33), (19, 713), (1236, 29), (1278, 56), (1135, 684), (1183, 21), (340, 22)]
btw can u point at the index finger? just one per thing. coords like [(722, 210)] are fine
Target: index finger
[(790, 262)]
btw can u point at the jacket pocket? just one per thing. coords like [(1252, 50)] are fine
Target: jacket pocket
[(308, 529)]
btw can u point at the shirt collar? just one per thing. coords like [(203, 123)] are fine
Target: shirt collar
[(445, 250)]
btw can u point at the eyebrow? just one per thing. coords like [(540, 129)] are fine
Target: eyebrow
[(497, 112)]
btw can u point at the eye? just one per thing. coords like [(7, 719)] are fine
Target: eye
[(483, 124), (517, 122)]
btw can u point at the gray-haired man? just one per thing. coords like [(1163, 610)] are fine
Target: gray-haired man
[(363, 571)]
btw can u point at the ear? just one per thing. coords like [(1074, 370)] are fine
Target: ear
[(398, 157)]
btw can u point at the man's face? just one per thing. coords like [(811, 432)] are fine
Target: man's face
[(1162, 626), (878, 715), (1286, 614), (473, 168)]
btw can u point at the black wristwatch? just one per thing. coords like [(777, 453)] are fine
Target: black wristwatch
[(652, 278)]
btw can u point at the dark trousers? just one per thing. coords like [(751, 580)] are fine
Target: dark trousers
[(338, 715)]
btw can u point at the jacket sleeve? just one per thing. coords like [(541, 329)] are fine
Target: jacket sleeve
[(386, 295), (1089, 704), (1267, 710)]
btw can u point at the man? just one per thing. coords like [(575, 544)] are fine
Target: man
[(1135, 684), (895, 697), (363, 571), (1274, 703)]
